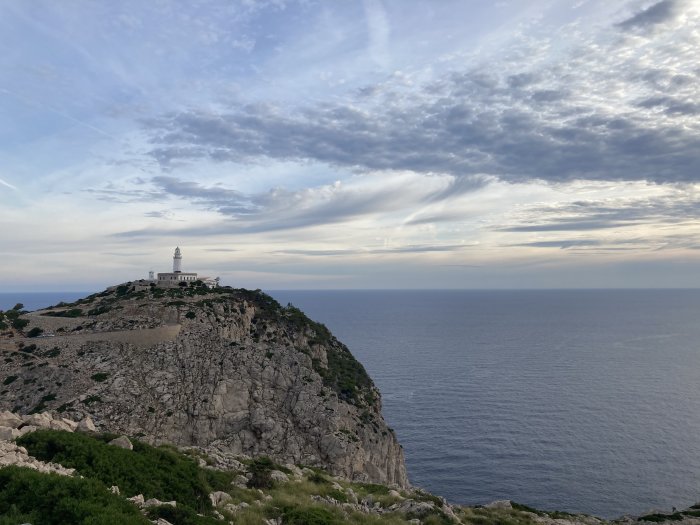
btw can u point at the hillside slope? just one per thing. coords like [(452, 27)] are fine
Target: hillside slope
[(226, 369)]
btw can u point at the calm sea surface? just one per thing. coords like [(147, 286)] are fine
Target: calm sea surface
[(586, 401)]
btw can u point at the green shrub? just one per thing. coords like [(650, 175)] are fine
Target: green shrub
[(260, 468), (54, 352), (35, 332), (99, 377), (9, 380), (73, 312), (190, 315), (92, 399), (19, 324), (318, 478), (309, 516), (153, 472), (27, 496)]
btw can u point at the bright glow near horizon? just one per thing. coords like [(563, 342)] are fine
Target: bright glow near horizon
[(374, 144)]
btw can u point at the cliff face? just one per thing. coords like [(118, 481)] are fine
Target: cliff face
[(223, 369)]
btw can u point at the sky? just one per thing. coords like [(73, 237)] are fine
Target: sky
[(351, 144)]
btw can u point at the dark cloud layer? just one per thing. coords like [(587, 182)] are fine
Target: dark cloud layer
[(517, 126), (653, 15)]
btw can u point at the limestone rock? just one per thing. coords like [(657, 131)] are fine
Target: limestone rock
[(279, 476), (10, 420), (11, 454), (219, 498), (27, 429), (86, 425), (122, 442), (9, 433), (240, 481), (137, 500), (154, 502), (499, 504)]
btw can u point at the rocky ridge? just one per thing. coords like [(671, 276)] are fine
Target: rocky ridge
[(227, 370)]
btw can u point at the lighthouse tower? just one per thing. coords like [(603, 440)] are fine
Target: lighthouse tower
[(177, 276), (177, 261)]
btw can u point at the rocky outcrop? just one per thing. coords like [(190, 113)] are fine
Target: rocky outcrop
[(225, 370), (14, 425)]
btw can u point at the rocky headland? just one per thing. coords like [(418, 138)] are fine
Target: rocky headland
[(225, 369)]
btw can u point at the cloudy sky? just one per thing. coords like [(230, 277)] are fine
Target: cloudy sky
[(351, 144)]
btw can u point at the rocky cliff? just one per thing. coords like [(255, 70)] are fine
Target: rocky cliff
[(224, 369)]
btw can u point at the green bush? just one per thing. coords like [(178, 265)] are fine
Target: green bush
[(153, 472), (73, 312), (9, 379), (260, 468), (19, 324), (190, 315), (35, 332), (309, 516), (99, 377), (27, 496)]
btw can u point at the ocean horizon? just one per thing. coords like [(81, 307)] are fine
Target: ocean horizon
[(572, 400)]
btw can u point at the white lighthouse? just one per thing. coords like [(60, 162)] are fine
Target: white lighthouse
[(177, 276), (177, 261)]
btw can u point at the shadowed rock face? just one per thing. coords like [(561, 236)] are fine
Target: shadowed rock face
[(223, 369)]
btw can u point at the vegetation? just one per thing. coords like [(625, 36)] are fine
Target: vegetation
[(154, 472), (73, 312), (261, 469), (27, 496), (99, 377), (35, 332)]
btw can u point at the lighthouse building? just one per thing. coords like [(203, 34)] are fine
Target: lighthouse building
[(177, 276)]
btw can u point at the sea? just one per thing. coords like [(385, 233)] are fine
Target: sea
[(572, 400)]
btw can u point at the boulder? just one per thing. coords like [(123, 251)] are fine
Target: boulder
[(8, 433), (27, 429), (122, 442), (86, 425), (219, 498), (416, 507), (60, 424), (137, 500), (154, 502), (279, 476), (8, 419), (296, 471), (41, 420), (499, 504), (240, 481)]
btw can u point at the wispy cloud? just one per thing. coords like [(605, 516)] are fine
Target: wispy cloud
[(7, 185)]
